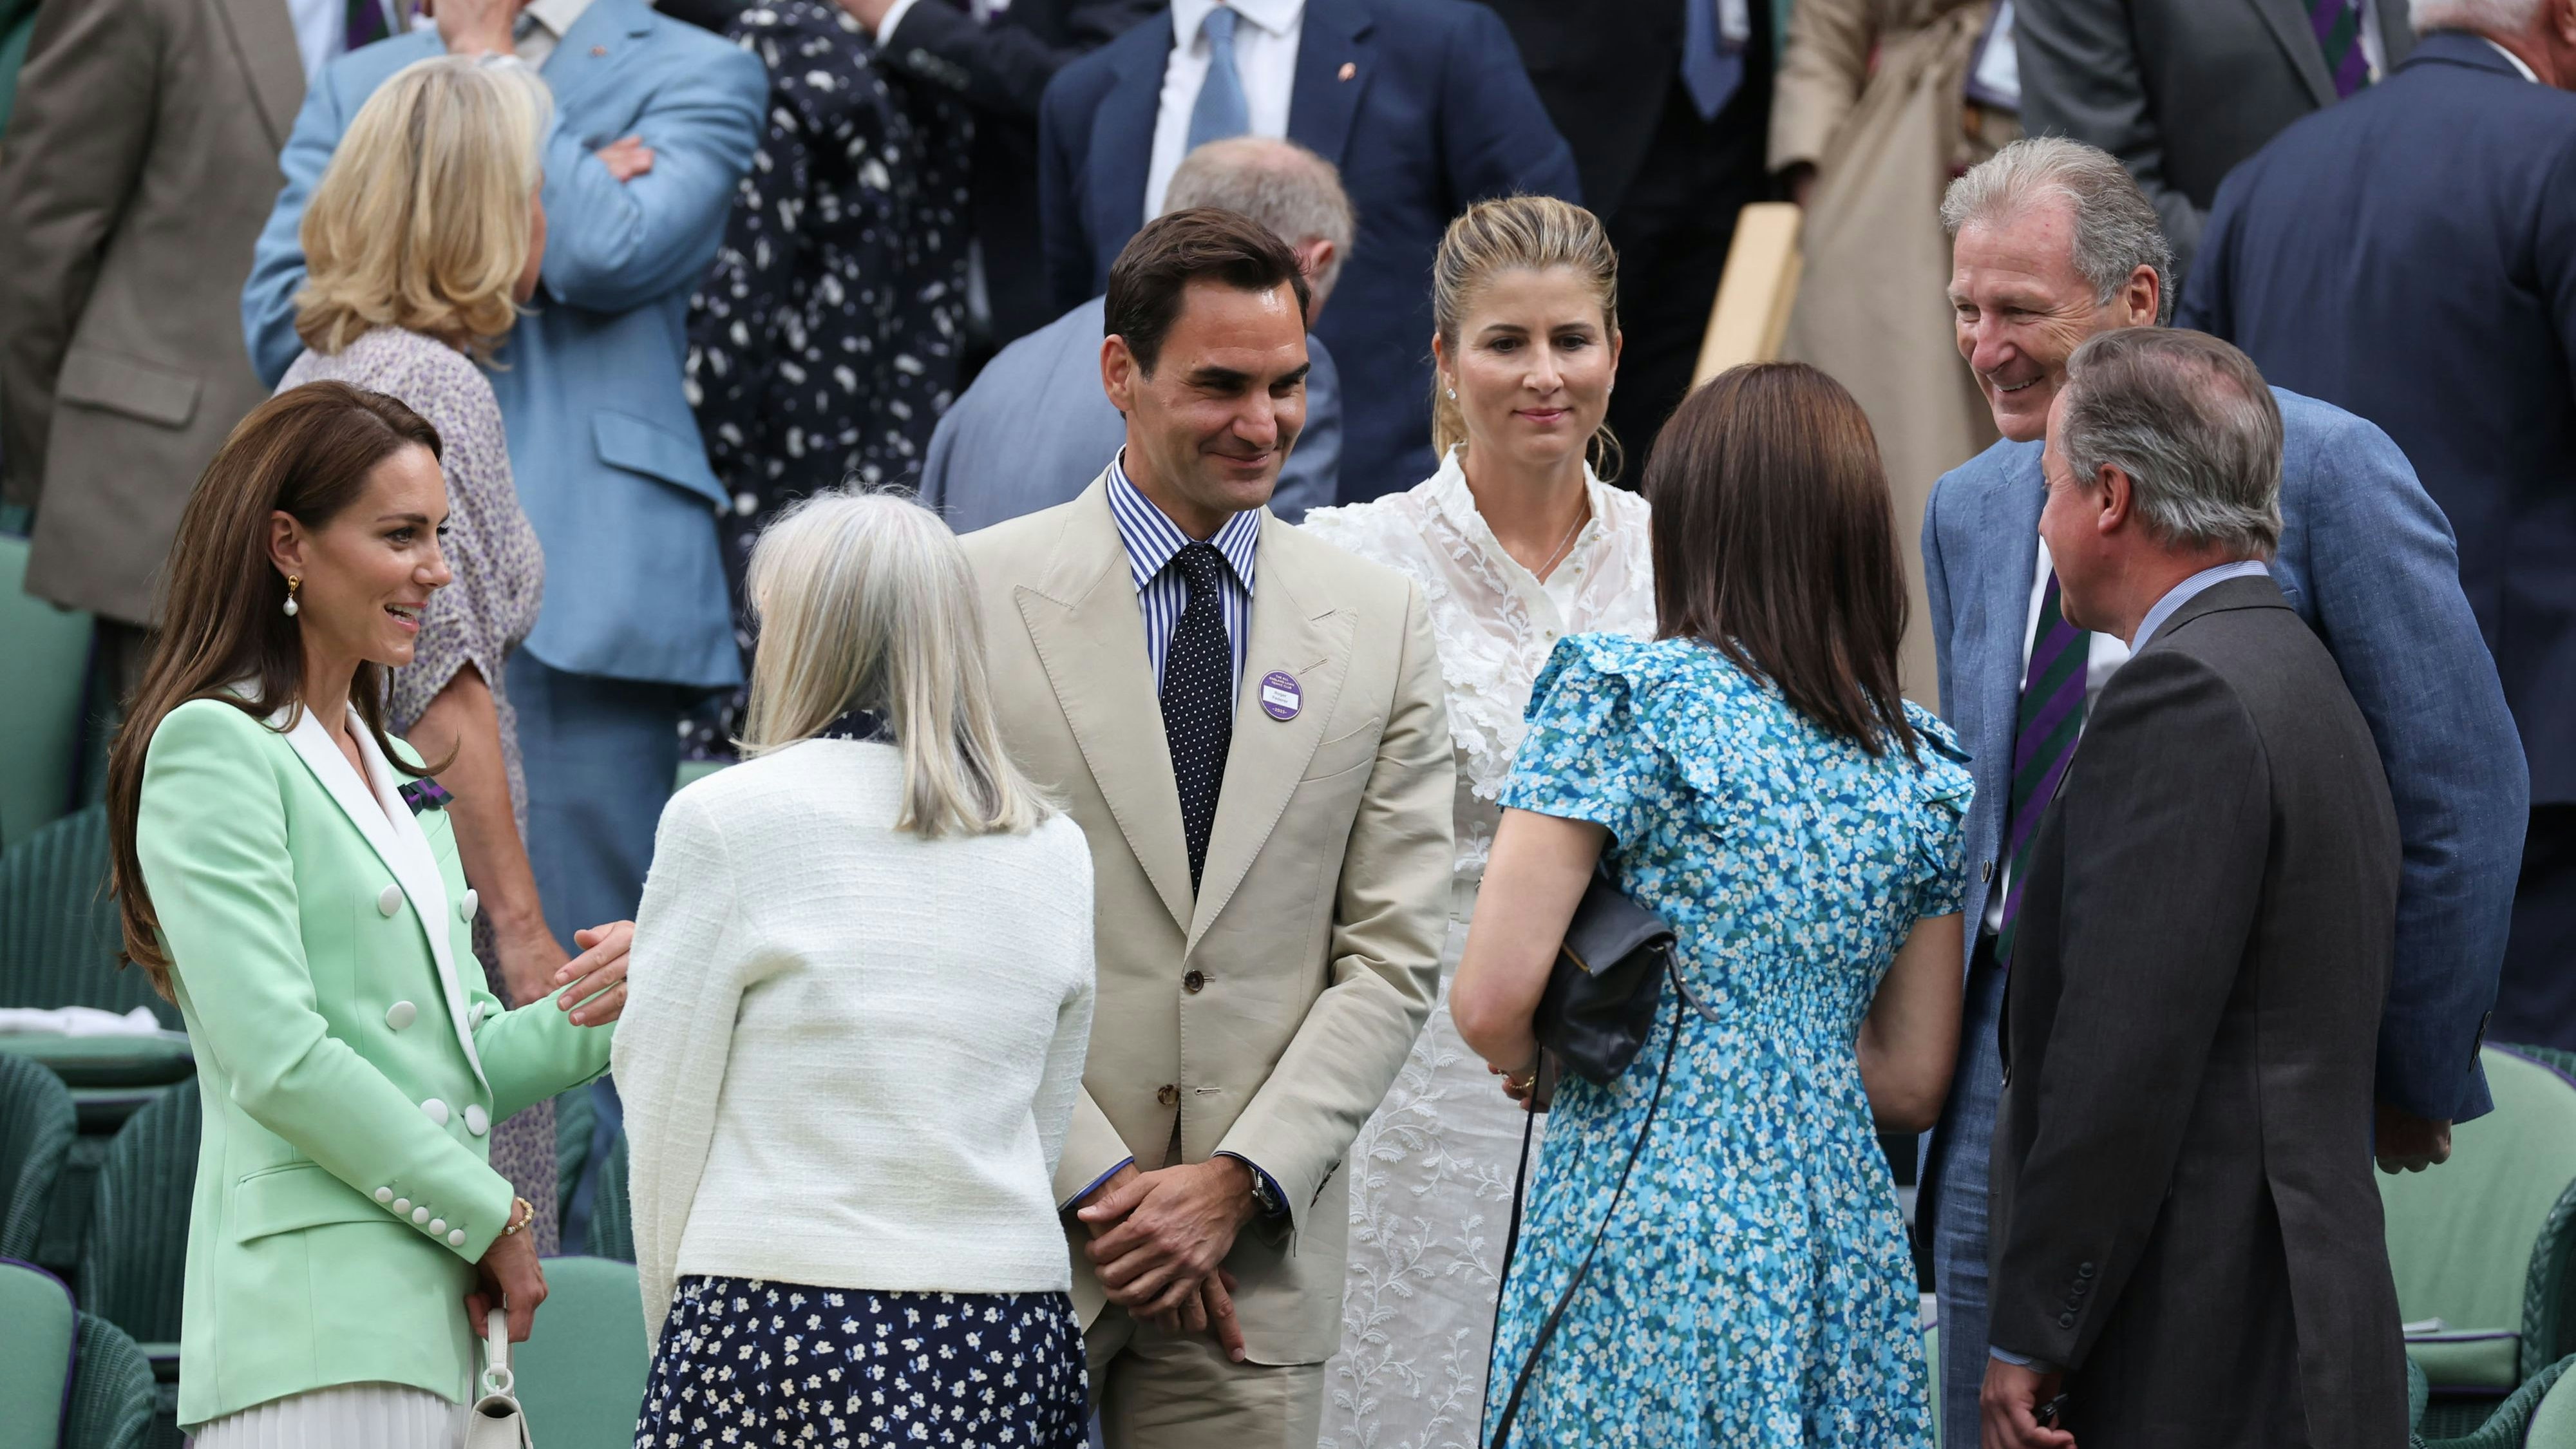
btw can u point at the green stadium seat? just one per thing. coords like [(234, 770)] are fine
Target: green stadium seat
[(576, 1114), (2486, 1244), (59, 936), (113, 1399), (581, 1373), (612, 1220), (44, 654), (37, 1125), (2519, 1422), (36, 1372), (134, 1261)]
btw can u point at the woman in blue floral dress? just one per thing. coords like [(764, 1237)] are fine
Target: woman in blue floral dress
[(1753, 776)]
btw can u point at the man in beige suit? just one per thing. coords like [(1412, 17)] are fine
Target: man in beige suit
[(140, 163), (1248, 724)]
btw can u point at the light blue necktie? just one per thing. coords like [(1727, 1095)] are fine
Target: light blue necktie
[(1711, 68), (1221, 110)]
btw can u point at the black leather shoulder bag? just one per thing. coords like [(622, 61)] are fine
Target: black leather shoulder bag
[(1593, 1018)]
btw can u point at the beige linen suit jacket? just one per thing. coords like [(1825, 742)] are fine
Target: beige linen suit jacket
[(1268, 1015), (138, 169)]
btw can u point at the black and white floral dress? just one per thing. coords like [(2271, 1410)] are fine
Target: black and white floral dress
[(823, 345), (746, 1362)]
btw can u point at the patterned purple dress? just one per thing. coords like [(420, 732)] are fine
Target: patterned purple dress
[(478, 619)]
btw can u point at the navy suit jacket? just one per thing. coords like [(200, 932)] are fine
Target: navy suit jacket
[(1036, 429), (2411, 255), (1425, 107), (605, 453), (2367, 561)]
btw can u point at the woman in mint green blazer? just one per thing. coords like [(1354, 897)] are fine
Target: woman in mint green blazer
[(288, 874)]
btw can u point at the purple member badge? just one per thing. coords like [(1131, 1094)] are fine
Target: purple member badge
[(1280, 696)]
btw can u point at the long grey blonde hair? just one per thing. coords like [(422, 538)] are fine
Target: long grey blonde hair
[(864, 600)]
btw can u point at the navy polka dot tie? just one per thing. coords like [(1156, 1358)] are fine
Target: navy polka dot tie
[(1198, 698)]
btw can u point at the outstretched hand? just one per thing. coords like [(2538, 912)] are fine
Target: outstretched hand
[(596, 993)]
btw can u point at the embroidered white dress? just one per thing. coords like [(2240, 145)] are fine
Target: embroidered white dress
[(1431, 1174)]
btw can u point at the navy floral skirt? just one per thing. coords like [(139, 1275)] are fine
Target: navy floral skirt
[(753, 1363)]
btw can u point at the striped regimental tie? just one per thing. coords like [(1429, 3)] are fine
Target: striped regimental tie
[(2338, 27), (2052, 720)]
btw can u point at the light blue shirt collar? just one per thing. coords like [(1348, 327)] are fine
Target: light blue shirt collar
[(2189, 589)]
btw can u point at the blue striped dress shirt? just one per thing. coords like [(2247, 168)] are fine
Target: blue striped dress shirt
[(1161, 591)]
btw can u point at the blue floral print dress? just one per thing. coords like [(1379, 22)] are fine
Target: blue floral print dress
[(1754, 1287)]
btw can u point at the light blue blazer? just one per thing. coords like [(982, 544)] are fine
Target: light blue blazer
[(2369, 562), (609, 464)]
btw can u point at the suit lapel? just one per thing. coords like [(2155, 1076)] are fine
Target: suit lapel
[(1334, 65), (386, 821), (2012, 521), (1083, 617), (1303, 636), (2297, 34), (598, 43), (263, 39), (1122, 143)]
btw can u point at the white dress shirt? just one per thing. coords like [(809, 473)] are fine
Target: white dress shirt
[(1265, 55)]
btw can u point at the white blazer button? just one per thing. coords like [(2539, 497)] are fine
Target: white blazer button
[(436, 1109), (419, 1215), (400, 1014), (477, 1121), (389, 900), (402, 1206), (456, 1237), (437, 1226), (466, 907), (384, 1194)]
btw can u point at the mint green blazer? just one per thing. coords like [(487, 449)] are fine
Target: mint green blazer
[(351, 1058)]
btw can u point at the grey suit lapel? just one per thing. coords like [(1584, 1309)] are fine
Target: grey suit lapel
[(2290, 25), (263, 40), (2004, 522)]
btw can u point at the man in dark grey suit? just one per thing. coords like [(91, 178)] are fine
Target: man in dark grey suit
[(2187, 1245), (2182, 90)]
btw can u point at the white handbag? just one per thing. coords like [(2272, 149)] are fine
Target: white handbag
[(497, 1421)]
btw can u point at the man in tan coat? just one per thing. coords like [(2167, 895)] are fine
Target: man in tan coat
[(1248, 724), (139, 166)]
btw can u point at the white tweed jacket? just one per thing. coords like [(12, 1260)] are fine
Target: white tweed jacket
[(849, 1054)]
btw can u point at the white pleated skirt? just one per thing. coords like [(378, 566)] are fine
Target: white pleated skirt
[(378, 1416)]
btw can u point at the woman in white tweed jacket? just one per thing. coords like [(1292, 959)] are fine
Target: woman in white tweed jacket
[(860, 994)]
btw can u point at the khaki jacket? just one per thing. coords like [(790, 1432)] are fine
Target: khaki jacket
[(1268, 1016), (138, 168)]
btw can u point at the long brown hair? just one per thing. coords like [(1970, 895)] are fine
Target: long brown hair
[(1775, 544), (306, 452)]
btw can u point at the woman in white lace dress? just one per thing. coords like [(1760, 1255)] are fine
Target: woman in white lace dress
[(1516, 542)]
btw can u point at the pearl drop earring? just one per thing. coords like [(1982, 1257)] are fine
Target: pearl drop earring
[(1453, 393), (293, 582)]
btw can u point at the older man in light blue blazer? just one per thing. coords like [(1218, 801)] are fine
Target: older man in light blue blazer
[(1036, 428), (2054, 242), (608, 462)]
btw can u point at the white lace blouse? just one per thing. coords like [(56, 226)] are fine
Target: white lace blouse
[(1493, 621)]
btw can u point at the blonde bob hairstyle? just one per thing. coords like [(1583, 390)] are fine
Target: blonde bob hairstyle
[(1516, 233), (422, 220), (864, 600)]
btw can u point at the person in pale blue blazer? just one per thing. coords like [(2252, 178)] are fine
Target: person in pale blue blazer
[(609, 464), (1035, 428), (2365, 558)]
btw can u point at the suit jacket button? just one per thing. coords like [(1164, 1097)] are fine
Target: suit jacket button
[(477, 1121), (1167, 1094), (2083, 1270), (1195, 982), (436, 1110), (419, 1215), (456, 1237), (467, 905), (400, 1014), (2066, 1320), (389, 900)]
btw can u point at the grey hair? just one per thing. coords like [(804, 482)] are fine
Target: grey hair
[(2485, 17), (2188, 419), (865, 601), (2116, 227), (1280, 184)]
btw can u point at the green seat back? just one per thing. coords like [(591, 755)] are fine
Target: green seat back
[(576, 1115), (36, 1371), (612, 1219), (59, 936), (581, 1373), (2461, 1237), (2553, 1423), (44, 651), (112, 1392), (37, 1125), (134, 1260)]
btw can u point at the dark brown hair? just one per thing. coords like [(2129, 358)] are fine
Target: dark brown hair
[(306, 452), (1202, 244), (1775, 544)]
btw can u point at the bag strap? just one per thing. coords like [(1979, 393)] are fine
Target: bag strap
[(1555, 1316), (497, 1378)]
